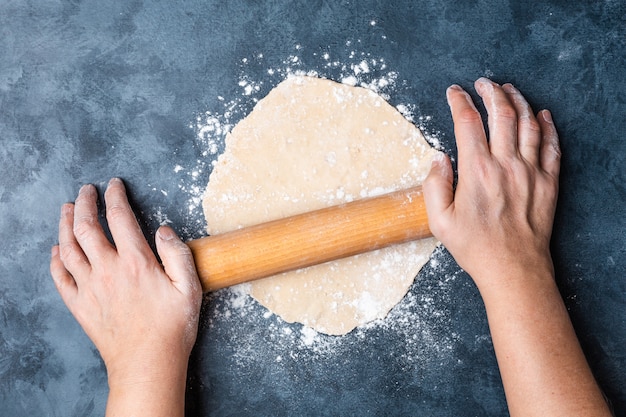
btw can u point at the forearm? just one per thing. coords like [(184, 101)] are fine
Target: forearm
[(543, 368)]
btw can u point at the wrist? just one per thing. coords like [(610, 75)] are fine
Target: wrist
[(514, 275), (145, 366), (151, 385)]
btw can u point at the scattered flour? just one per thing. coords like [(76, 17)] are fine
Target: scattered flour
[(419, 319)]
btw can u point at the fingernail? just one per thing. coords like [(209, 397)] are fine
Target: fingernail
[(509, 88), (114, 180), (452, 88), (547, 116), (66, 209), (165, 233), (483, 82), (85, 188)]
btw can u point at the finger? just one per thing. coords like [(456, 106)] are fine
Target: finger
[(528, 128), (63, 280), (468, 127), (502, 118), (550, 151), (123, 225), (87, 228), (71, 254), (438, 193), (177, 261)]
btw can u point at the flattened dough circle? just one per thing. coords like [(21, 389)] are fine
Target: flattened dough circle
[(312, 143)]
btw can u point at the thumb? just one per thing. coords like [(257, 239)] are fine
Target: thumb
[(177, 260), (438, 192)]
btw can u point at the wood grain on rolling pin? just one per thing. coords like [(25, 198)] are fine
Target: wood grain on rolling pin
[(310, 238)]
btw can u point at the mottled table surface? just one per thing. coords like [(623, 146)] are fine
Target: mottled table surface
[(146, 90)]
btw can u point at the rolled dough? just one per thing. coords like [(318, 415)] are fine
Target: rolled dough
[(308, 144)]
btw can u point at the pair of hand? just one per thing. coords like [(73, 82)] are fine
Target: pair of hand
[(500, 217), (497, 224)]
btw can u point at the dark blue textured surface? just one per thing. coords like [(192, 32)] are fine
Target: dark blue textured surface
[(93, 89)]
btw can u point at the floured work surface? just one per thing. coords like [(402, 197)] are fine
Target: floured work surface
[(312, 143)]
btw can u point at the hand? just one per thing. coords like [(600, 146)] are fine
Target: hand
[(142, 317), (501, 215), (497, 225)]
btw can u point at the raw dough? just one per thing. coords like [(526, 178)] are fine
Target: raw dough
[(309, 144)]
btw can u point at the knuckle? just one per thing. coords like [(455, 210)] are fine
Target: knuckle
[(530, 123), (139, 267), (67, 253), (468, 115), (482, 169), (116, 211), (71, 256), (546, 192), (517, 168), (506, 112), (84, 227), (518, 172)]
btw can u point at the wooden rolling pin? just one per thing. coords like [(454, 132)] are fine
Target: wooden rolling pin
[(310, 238)]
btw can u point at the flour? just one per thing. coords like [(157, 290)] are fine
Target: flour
[(299, 150), (418, 318)]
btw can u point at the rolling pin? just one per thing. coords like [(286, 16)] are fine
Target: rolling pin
[(310, 238)]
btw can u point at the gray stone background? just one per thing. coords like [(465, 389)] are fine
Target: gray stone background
[(95, 89)]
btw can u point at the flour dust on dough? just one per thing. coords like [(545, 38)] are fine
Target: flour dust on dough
[(312, 143)]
